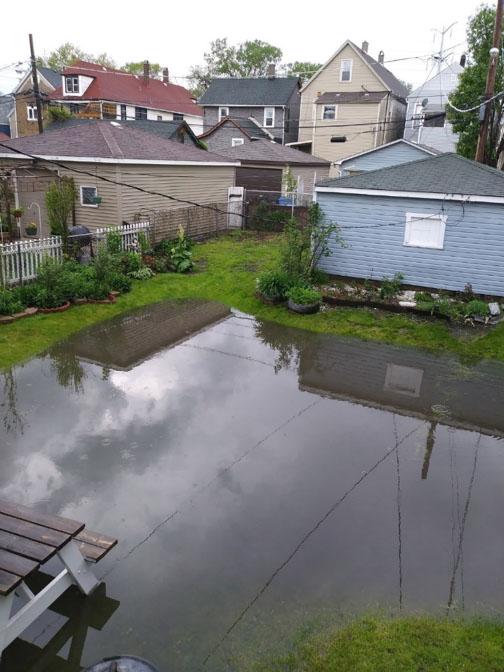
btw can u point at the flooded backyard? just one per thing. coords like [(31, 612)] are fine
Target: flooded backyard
[(259, 479)]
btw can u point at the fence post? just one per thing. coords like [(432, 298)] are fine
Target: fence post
[(20, 262)]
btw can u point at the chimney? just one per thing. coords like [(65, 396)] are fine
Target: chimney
[(270, 71), (166, 76), (146, 72), (381, 57), (463, 59), (365, 46)]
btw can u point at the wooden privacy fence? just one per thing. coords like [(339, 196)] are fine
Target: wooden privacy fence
[(19, 261), (197, 222)]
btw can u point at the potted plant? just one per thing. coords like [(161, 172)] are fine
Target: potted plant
[(17, 213), (31, 229), (304, 300), (272, 286)]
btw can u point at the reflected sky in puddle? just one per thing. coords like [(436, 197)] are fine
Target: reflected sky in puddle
[(257, 478)]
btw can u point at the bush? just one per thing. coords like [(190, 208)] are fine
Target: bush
[(114, 242), (161, 264), (128, 262), (274, 284), (120, 283), (181, 253), (10, 302), (305, 296), (423, 297), (269, 218), (144, 273), (390, 287), (54, 286), (476, 307)]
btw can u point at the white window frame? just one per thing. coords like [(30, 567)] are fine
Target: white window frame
[(31, 113), (414, 216), (88, 186), (324, 107), (272, 117), (222, 114), (342, 69), (72, 89), (236, 142)]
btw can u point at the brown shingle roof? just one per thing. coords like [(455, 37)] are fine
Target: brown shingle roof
[(266, 151), (109, 140)]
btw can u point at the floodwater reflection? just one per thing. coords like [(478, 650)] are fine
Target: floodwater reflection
[(258, 478)]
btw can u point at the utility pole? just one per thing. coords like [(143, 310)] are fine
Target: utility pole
[(490, 84), (36, 89)]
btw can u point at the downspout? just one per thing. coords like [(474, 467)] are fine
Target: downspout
[(283, 125)]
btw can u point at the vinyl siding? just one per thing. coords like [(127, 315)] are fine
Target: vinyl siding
[(310, 175), (108, 212), (384, 157), (473, 245)]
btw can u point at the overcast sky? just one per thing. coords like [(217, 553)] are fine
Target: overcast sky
[(177, 34)]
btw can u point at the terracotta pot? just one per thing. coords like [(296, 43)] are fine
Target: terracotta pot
[(59, 309), (302, 308)]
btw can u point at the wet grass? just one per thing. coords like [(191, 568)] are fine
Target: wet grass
[(226, 272), (416, 644)]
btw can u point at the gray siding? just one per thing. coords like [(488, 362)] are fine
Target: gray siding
[(220, 140), (384, 157), (473, 246), (211, 117)]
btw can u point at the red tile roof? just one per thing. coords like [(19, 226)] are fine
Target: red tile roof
[(122, 87), (109, 140)]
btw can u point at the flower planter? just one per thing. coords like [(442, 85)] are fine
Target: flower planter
[(59, 309), (303, 308), (30, 233), (270, 300)]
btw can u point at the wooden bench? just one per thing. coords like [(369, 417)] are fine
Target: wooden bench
[(28, 539)]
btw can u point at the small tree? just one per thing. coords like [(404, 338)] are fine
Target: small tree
[(7, 200), (60, 200)]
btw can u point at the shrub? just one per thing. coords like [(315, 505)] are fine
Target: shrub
[(305, 296), (423, 297), (161, 264), (390, 287), (26, 294), (120, 283), (60, 199), (476, 307), (114, 242), (54, 284), (274, 284), (162, 249), (269, 218), (10, 302), (144, 273), (129, 262), (181, 253)]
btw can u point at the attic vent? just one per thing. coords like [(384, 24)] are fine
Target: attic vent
[(339, 138)]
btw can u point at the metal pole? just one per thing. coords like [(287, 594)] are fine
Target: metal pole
[(490, 85), (36, 89)]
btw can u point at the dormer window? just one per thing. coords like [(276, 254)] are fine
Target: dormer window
[(346, 70), (223, 112), (72, 84)]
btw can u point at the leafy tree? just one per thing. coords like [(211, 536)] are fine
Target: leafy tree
[(136, 68), (68, 54), (60, 200), (302, 69), (471, 89), (248, 59)]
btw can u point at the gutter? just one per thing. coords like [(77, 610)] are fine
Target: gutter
[(92, 159), (423, 195)]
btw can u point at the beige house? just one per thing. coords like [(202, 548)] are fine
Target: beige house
[(351, 104), (115, 168)]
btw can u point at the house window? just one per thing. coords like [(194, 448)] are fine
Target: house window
[(88, 196), (237, 141), (329, 112), (269, 117), (425, 230), (178, 117), (346, 70), (31, 112), (159, 117), (124, 113), (140, 113), (72, 84), (74, 108), (223, 112)]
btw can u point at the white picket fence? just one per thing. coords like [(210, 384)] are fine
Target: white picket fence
[(19, 261), (129, 233)]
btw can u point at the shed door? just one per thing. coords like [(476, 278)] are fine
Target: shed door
[(259, 179)]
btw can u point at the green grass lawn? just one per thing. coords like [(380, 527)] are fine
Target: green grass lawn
[(397, 645), (227, 269)]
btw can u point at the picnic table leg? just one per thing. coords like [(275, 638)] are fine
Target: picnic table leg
[(78, 568), (5, 612)]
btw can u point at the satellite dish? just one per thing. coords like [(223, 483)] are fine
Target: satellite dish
[(425, 102)]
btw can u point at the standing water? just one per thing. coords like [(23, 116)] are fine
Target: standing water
[(259, 479)]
